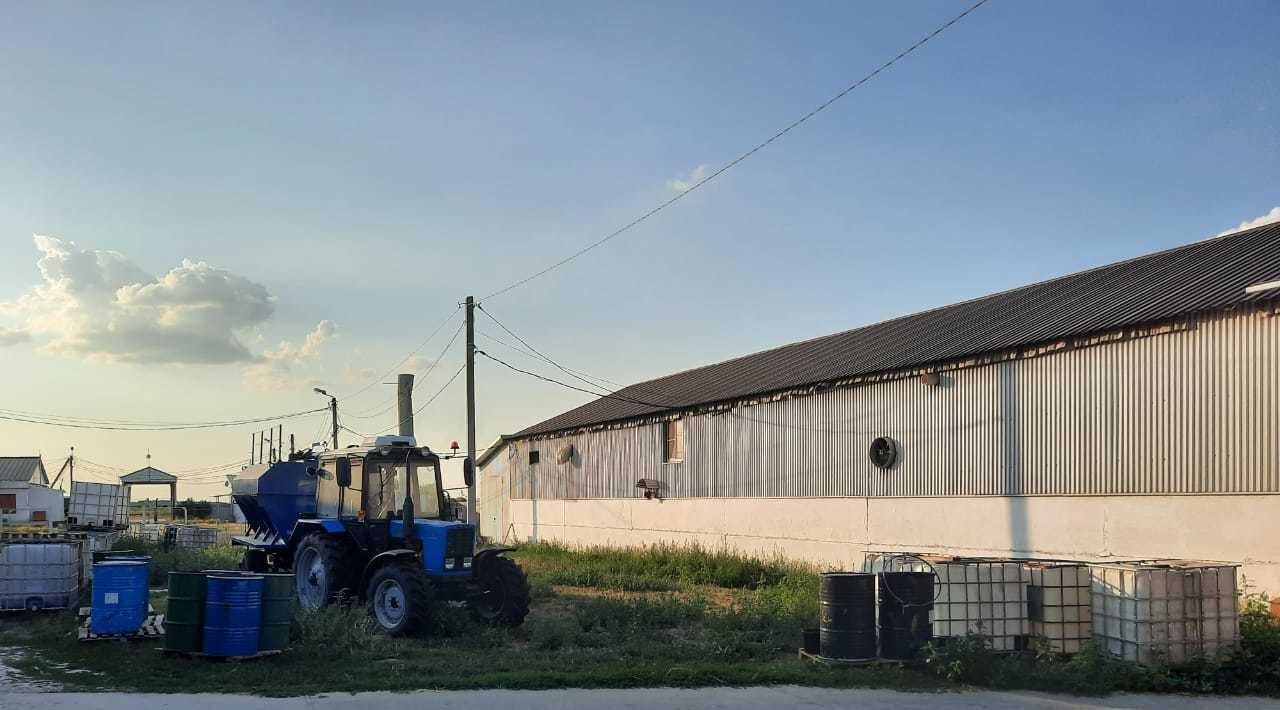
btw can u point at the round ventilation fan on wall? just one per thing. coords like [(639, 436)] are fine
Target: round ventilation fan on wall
[(884, 452)]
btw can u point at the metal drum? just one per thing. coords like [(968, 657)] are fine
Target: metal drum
[(232, 615), (277, 611), (184, 620), (905, 601), (847, 626), (119, 596)]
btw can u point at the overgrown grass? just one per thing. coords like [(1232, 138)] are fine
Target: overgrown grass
[(568, 641), (656, 568), (659, 616), (180, 560)]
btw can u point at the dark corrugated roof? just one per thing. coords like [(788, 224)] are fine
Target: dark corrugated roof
[(22, 468), (1207, 275)]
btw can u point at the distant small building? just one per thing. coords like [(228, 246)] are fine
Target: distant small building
[(25, 496), (23, 469)]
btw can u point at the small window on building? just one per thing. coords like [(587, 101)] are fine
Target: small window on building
[(533, 457), (8, 503), (673, 441)]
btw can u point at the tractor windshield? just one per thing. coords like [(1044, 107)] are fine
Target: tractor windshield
[(388, 483)]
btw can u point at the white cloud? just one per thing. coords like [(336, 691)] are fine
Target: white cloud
[(1268, 218), (13, 336), (686, 182), (99, 303), (276, 370)]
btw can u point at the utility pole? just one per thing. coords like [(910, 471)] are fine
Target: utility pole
[(333, 411), (279, 442), (71, 470), (404, 403), (472, 515)]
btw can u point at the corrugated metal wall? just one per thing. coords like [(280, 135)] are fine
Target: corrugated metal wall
[(1193, 411)]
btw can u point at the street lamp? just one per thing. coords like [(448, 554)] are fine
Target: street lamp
[(333, 413)]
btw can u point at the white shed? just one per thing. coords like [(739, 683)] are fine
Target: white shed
[(23, 503)]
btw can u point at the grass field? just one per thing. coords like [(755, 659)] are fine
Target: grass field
[(661, 616)]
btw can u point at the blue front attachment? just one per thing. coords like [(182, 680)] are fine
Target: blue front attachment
[(447, 546), (285, 493)]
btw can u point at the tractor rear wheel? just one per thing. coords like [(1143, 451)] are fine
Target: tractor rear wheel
[(400, 599), (502, 597), (321, 570)]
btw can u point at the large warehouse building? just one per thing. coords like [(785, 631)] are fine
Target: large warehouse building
[(1130, 411)]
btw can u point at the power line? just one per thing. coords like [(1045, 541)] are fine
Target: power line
[(413, 352), (794, 124), (421, 378), (539, 353), (610, 395), (432, 398), (46, 421)]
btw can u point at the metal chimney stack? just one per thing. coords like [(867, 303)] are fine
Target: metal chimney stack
[(404, 403)]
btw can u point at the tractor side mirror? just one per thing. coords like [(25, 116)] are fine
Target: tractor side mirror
[(468, 472), (342, 472)]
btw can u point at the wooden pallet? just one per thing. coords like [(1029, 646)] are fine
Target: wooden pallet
[(226, 659), (152, 629), (84, 611), (51, 536), (846, 662)]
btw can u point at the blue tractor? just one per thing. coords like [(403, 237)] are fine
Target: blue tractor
[(373, 523)]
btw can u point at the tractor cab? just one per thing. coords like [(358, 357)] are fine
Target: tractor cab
[(379, 481)]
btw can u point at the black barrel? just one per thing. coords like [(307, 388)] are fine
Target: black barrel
[(905, 601), (847, 627)]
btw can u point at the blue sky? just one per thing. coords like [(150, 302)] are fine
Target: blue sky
[(370, 166)]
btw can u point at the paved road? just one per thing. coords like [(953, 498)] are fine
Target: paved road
[(786, 698)]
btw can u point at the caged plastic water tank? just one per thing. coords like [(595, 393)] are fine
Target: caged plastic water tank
[(232, 614), (847, 626), (119, 596), (905, 601)]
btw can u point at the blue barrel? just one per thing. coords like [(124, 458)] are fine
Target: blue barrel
[(232, 614), (119, 596)]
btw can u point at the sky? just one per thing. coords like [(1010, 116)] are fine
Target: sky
[(207, 209)]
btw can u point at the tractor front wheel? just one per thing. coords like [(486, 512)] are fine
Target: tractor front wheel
[(502, 593), (321, 570), (400, 599)]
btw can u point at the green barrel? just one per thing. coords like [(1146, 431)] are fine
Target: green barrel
[(277, 611), (185, 617)]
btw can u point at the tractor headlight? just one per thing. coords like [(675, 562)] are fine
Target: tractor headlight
[(466, 563)]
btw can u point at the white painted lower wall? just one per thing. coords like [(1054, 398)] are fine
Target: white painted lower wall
[(1243, 529)]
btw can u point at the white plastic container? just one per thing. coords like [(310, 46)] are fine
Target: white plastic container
[(1166, 611), (39, 575), (1059, 604), (97, 505)]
